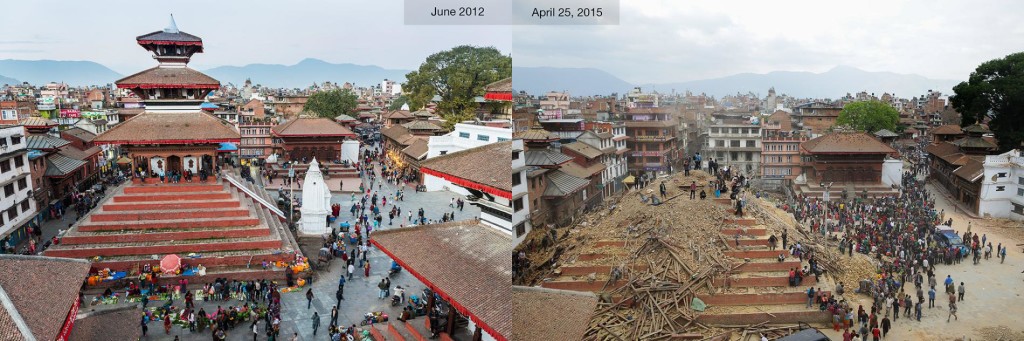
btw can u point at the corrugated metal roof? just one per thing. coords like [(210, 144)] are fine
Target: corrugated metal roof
[(561, 184), (545, 157), (44, 142), (60, 165)]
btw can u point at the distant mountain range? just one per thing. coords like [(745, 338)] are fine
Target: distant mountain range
[(578, 81), (8, 80), (305, 73), (833, 83), (75, 73)]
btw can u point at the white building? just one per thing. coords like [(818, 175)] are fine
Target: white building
[(613, 155), (17, 206), (477, 173), (734, 143), (390, 87), (520, 202), (1002, 186)]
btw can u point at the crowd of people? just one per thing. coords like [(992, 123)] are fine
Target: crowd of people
[(898, 232)]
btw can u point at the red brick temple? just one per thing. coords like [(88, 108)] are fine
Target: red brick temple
[(229, 227)]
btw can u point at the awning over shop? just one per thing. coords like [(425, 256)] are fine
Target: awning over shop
[(227, 147)]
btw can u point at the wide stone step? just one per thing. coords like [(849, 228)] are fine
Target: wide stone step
[(755, 254), (165, 247), (747, 242), (750, 231), (778, 317), (596, 256), (168, 224), (768, 267), (173, 188), (185, 205), (762, 282), (754, 299), (164, 215), (185, 196), (740, 221), (398, 333), (379, 332), (214, 258), (107, 237), (418, 331)]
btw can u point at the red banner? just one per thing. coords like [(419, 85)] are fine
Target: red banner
[(498, 96), (70, 113), (69, 323), (467, 183)]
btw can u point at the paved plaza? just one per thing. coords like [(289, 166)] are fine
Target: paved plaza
[(360, 292)]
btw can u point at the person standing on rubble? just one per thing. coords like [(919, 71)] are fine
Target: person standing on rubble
[(693, 190), (663, 189)]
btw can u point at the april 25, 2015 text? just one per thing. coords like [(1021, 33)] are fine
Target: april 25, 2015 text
[(567, 12)]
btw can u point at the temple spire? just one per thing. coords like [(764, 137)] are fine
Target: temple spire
[(171, 27)]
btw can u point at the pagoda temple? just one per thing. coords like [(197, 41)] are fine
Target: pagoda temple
[(214, 227), (172, 133)]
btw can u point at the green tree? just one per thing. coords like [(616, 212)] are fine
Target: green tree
[(330, 104), (458, 76), (869, 116), (398, 102), (995, 91)]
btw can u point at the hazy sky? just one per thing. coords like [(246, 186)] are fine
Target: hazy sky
[(233, 32), (670, 40)]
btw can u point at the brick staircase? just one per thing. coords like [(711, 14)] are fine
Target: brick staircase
[(417, 329), (230, 233), (759, 280)]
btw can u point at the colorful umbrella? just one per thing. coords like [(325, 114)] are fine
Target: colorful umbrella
[(170, 264)]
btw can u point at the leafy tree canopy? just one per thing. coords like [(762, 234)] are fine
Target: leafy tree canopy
[(458, 76), (330, 104), (995, 92), (397, 102), (869, 116)]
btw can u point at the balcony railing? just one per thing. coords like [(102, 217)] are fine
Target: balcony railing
[(652, 138)]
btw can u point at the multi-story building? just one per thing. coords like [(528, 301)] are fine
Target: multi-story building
[(567, 129), (780, 147), (586, 164), (257, 142), (16, 205), (610, 139), (816, 117), (520, 193), (554, 105), (734, 142), (1002, 186), (958, 165), (653, 145)]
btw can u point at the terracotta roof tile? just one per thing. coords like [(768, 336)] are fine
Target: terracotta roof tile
[(465, 261), (72, 152), (170, 128), (489, 165), (886, 133), (548, 314), (504, 85), (581, 171), (8, 327), (421, 125), (537, 135), (949, 129), (947, 152), (971, 170), (167, 76), (42, 290), (323, 127), (583, 149), (417, 150), (395, 132), (398, 114), (847, 143), (114, 324), (36, 122)]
